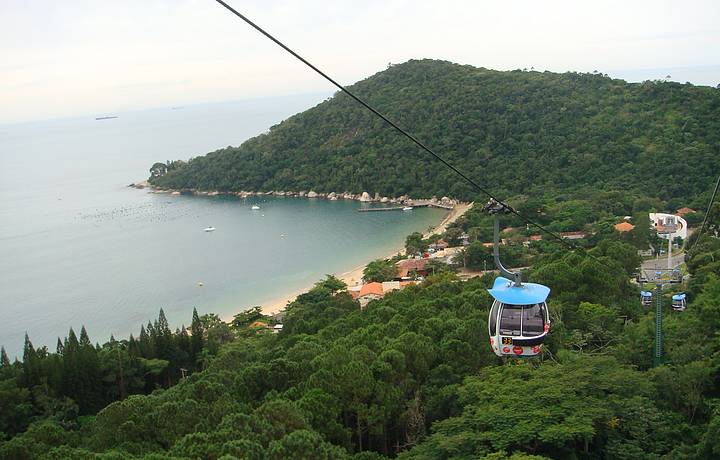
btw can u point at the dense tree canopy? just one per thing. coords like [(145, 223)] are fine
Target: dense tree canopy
[(410, 375), (515, 132)]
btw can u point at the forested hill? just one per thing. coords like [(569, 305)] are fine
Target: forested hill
[(514, 131)]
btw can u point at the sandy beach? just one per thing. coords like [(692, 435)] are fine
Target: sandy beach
[(353, 277)]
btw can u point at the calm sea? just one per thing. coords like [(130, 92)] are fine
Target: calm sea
[(77, 247)]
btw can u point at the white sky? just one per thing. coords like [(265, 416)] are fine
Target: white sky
[(70, 57)]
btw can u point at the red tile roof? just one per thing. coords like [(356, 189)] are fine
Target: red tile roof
[(408, 265), (624, 227), (371, 288)]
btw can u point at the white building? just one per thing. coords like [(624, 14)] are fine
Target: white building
[(669, 226)]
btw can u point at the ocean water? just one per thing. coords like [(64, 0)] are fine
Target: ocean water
[(78, 247)]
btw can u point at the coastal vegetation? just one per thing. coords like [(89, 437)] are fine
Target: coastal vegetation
[(411, 375), (380, 270), (518, 133)]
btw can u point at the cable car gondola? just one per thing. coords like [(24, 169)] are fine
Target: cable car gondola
[(519, 319), (646, 297), (679, 302)]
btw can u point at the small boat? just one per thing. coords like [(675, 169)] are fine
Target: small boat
[(407, 208), (255, 207), (210, 229)]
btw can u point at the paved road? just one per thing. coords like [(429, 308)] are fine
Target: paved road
[(649, 267), (661, 263)]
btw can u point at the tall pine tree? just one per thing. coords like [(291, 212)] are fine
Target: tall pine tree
[(197, 339), (89, 369), (31, 364), (71, 373), (4, 360)]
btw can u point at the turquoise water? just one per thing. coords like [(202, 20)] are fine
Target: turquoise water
[(77, 247)]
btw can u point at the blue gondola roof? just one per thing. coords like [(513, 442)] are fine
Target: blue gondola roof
[(680, 296), (527, 294), (646, 293)]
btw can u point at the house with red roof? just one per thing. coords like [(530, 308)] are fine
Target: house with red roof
[(409, 267), (624, 227)]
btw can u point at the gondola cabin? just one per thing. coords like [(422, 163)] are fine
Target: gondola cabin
[(646, 297), (679, 302), (519, 319)]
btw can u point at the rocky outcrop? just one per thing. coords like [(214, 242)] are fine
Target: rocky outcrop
[(364, 197), (140, 185)]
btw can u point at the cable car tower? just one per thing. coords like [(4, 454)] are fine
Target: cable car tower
[(661, 277), (519, 320)]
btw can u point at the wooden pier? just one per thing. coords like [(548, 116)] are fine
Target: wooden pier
[(414, 204)]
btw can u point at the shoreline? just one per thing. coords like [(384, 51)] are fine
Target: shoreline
[(353, 276), (364, 197)]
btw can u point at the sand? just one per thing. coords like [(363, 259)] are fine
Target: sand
[(354, 277)]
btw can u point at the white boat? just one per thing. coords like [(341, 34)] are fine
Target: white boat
[(210, 229), (407, 208), (255, 207)]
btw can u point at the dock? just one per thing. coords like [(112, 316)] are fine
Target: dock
[(389, 208), (414, 204)]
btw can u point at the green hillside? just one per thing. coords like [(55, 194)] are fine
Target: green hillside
[(514, 131), (410, 376)]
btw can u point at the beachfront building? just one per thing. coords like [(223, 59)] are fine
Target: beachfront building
[(409, 268), (439, 245), (447, 255), (669, 226), (375, 290), (390, 286), (368, 292)]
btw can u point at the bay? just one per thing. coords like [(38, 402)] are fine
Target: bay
[(78, 247)]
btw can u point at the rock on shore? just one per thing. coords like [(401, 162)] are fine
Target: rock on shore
[(364, 197)]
